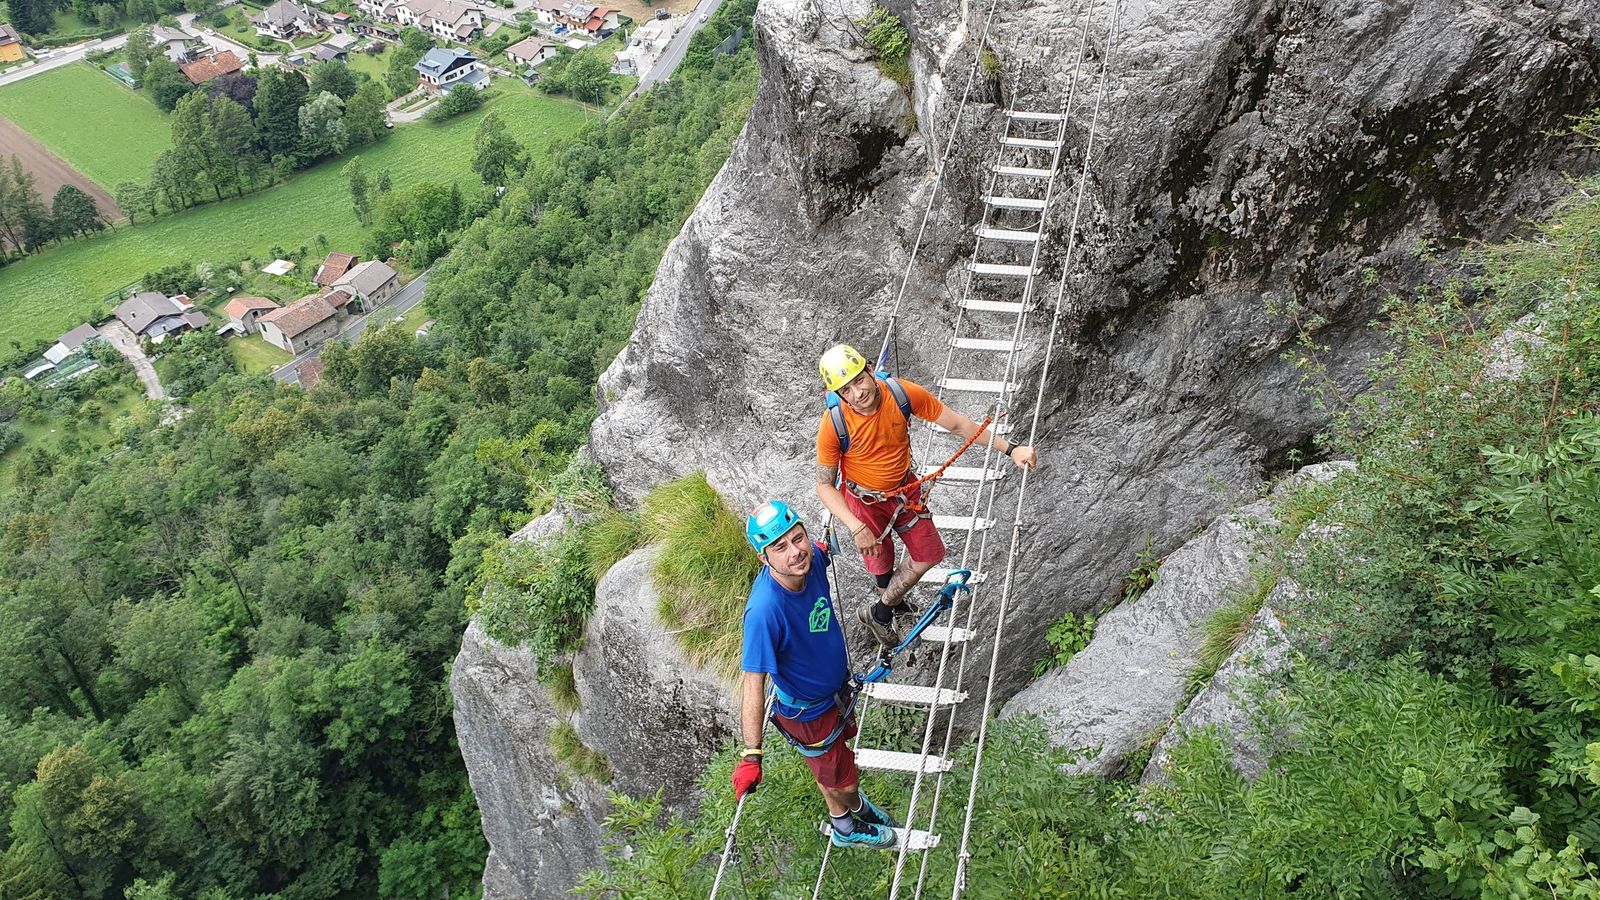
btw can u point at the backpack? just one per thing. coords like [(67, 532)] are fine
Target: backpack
[(836, 408)]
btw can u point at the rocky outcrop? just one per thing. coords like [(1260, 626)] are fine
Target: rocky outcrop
[(1254, 154), (1230, 700), (544, 826), (656, 716), (1123, 688)]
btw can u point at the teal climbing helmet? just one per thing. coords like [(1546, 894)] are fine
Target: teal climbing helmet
[(768, 522)]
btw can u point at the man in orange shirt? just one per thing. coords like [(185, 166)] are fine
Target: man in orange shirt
[(868, 437)]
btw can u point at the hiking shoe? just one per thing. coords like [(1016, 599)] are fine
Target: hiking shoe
[(870, 814), (873, 837), (885, 634), (907, 607)]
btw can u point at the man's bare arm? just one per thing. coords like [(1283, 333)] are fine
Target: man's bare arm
[(753, 707), (833, 499), (952, 421)]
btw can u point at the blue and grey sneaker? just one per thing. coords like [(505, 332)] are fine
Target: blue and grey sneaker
[(871, 814), (872, 837)]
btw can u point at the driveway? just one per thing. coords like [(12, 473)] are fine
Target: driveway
[(398, 115), (401, 303), (220, 42), (128, 345)]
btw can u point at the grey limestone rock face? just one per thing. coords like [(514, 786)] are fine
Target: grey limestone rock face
[(1229, 699), (1116, 692), (656, 716), (1251, 153), (544, 829)]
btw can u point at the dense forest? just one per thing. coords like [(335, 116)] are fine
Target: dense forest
[(1439, 735), (224, 643)]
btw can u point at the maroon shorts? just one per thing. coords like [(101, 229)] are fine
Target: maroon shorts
[(922, 540), (836, 769)]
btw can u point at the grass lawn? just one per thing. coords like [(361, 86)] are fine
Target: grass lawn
[(376, 66), (252, 354), (86, 117), (44, 295), (112, 403)]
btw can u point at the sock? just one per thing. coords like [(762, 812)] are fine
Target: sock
[(842, 824), (882, 614)]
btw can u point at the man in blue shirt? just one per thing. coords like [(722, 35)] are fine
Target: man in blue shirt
[(792, 633)]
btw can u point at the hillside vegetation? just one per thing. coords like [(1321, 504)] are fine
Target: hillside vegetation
[(226, 641), (1440, 736)]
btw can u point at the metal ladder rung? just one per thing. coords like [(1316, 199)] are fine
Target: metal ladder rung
[(978, 385), (897, 761), (1015, 203), (1031, 143), (1023, 116), (1022, 171), (983, 344), (937, 576), (1005, 306), (1008, 235), (964, 473), (962, 523), (1003, 270), (917, 694), (942, 634), (916, 838), (997, 428)]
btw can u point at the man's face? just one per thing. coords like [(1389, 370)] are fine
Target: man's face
[(790, 554), (861, 392)]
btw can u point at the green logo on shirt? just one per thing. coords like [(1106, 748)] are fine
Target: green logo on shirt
[(821, 614)]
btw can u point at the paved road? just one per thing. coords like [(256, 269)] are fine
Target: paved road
[(401, 303), (61, 57), (128, 345), (678, 46)]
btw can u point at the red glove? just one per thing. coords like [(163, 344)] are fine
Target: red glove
[(746, 775)]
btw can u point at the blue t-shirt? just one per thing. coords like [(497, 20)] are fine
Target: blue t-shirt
[(796, 639)]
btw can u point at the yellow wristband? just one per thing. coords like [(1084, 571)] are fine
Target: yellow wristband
[(750, 751)]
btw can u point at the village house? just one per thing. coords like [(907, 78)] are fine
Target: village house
[(644, 47), (243, 312), (153, 315), (285, 19), (372, 282), (448, 19), (303, 324), (11, 49), (334, 267), (571, 14), (177, 45), (529, 53), (71, 343), (206, 68), (442, 69)]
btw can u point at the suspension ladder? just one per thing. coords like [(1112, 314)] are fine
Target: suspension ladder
[(983, 366)]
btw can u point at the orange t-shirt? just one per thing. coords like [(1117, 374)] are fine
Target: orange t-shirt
[(880, 444)]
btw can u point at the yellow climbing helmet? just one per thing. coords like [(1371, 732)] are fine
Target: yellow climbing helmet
[(840, 364)]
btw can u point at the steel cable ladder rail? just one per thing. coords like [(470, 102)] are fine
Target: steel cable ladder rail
[(1013, 225)]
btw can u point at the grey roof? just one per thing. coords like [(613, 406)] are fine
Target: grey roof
[(163, 33), (367, 278), (75, 338), (284, 12), (164, 325), (440, 60), (324, 53), (144, 309), (475, 76)]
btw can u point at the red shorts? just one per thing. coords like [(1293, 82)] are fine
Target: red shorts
[(922, 540), (836, 769)]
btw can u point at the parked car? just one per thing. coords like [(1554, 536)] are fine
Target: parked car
[(663, 14)]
